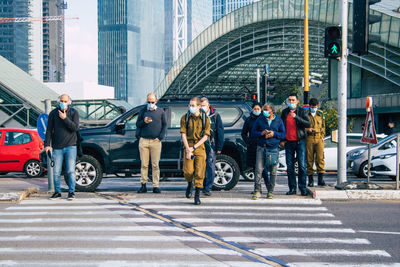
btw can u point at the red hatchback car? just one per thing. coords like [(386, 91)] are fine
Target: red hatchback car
[(19, 151)]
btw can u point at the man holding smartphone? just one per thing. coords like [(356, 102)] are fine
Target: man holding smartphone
[(61, 137), (151, 126), (195, 129)]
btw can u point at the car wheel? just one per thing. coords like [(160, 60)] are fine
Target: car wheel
[(33, 168), (364, 171), (248, 174), (88, 174), (296, 167), (227, 173)]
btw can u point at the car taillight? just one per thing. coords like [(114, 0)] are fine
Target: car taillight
[(41, 146)]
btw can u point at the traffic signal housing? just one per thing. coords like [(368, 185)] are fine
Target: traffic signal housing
[(270, 84), (333, 42), (361, 21)]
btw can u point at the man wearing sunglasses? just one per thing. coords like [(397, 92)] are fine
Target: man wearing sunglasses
[(151, 126)]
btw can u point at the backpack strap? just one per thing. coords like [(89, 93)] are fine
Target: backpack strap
[(187, 120)]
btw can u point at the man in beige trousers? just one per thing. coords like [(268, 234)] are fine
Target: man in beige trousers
[(151, 126)]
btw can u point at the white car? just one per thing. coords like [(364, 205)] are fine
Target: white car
[(384, 163), (330, 151)]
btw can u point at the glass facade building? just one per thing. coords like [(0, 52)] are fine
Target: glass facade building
[(224, 7), (130, 47)]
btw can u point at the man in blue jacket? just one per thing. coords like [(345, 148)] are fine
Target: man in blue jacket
[(213, 145), (270, 131)]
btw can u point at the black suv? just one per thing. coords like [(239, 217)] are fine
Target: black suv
[(113, 149)]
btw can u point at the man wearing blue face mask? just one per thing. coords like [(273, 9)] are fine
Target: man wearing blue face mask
[(315, 143), (296, 121), (61, 137), (151, 128)]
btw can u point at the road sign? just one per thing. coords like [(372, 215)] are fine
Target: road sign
[(42, 124), (369, 134)]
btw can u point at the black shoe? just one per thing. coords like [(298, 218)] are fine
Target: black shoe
[(189, 190), (55, 196), (310, 181), (207, 193), (291, 192), (197, 196), (143, 189), (71, 196), (321, 181), (304, 193), (156, 190)]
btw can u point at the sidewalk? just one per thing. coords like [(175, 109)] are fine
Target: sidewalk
[(16, 189)]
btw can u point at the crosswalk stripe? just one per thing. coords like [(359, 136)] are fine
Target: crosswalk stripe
[(164, 263), (69, 212), (121, 250), (68, 207), (286, 201), (273, 229), (347, 264), (254, 221), (76, 201), (320, 252), (92, 238), (243, 214), (80, 220), (92, 229), (295, 240), (205, 207)]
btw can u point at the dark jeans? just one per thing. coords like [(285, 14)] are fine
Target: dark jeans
[(299, 148), (210, 170)]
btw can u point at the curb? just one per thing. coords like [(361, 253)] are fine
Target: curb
[(18, 196), (355, 194)]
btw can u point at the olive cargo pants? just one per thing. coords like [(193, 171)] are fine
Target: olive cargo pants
[(195, 169), (315, 152)]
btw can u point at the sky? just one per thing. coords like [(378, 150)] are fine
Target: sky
[(81, 41)]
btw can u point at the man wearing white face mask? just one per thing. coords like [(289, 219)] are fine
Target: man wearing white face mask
[(61, 136), (151, 128)]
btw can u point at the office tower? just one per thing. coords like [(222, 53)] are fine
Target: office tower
[(224, 7), (131, 47), (54, 42)]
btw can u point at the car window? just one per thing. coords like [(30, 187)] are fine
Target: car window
[(17, 138), (228, 114), (131, 122), (176, 115), (328, 143), (354, 141)]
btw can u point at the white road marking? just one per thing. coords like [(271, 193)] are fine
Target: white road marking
[(255, 221), (121, 251), (91, 229), (296, 240), (209, 208), (320, 252), (347, 264), (380, 232), (77, 200), (81, 220), (107, 238), (286, 201), (68, 207), (273, 229), (236, 214), (69, 212)]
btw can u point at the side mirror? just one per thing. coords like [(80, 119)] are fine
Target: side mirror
[(120, 127)]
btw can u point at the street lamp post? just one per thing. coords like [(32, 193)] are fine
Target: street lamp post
[(306, 66)]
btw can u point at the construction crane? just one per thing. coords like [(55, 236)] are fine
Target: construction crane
[(30, 19)]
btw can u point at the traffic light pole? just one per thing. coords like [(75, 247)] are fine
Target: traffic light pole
[(306, 66), (342, 95), (258, 85)]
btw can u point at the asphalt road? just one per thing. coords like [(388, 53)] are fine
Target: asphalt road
[(118, 227)]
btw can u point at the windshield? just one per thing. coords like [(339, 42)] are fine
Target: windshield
[(384, 140)]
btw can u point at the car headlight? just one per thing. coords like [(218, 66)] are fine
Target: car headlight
[(357, 153), (385, 156)]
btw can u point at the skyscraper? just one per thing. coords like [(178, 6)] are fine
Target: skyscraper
[(131, 47), (224, 7), (53, 42)]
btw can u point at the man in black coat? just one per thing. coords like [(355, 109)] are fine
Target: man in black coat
[(296, 121)]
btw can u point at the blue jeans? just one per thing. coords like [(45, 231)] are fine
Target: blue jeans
[(261, 171), (210, 170), (299, 148), (69, 154)]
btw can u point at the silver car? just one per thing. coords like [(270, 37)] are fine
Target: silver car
[(357, 159)]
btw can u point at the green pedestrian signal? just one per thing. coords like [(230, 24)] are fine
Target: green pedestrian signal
[(333, 40)]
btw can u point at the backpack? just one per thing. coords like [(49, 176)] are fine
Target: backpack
[(210, 139)]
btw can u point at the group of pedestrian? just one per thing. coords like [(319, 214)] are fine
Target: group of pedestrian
[(301, 132)]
